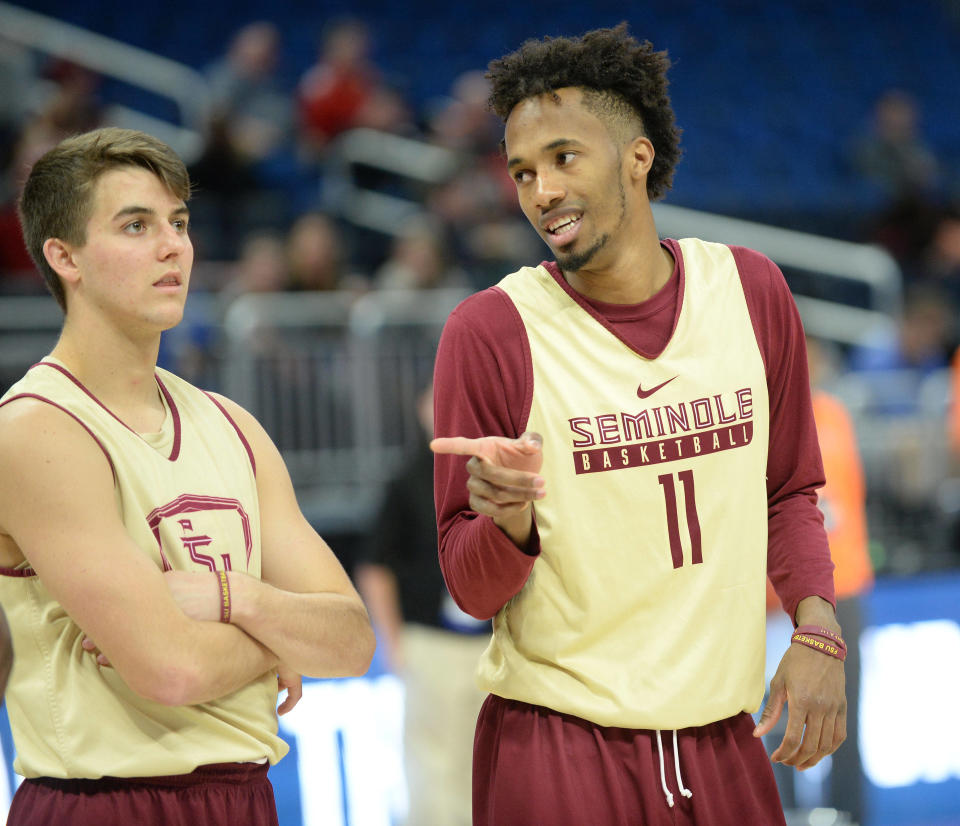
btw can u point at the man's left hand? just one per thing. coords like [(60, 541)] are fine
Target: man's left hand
[(812, 686)]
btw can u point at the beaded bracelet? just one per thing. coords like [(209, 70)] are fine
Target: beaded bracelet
[(224, 597), (821, 645), (820, 631)]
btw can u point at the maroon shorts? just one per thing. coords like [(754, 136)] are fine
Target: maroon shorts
[(534, 765), (224, 794)]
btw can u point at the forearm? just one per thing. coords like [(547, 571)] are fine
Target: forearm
[(217, 659), (482, 566), (798, 556), (315, 634)]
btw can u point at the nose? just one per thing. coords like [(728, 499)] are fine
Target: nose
[(173, 242), (548, 190)]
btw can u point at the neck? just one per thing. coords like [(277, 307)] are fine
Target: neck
[(635, 273), (116, 367)]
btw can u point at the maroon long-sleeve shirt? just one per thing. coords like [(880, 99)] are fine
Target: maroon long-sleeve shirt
[(483, 386)]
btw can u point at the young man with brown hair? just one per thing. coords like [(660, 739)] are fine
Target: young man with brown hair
[(156, 569)]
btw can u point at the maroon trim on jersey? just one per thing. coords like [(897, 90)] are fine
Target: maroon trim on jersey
[(246, 444), (175, 413), (654, 309), (17, 572), (76, 418), (174, 453)]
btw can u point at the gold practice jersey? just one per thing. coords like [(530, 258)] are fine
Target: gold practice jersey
[(645, 608), (188, 498)]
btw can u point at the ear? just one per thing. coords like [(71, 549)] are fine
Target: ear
[(60, 257), (640, 156)]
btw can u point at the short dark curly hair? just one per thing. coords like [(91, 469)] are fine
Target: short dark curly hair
[(620, 76)]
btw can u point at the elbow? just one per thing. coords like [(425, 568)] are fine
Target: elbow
[(360, 645), (352, 655), (359, 659), (170, 685)]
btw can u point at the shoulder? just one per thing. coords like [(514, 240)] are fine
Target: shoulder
[(488, 316), (760, 276), (32, 416), (237, 415), (43, 442)]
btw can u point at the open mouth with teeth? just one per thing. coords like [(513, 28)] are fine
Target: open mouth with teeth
[(564, 229)]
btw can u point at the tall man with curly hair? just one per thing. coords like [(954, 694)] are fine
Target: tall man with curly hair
[(643, 453)]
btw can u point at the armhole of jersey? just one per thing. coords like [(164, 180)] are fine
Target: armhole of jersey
[(749, 287), (243, 439), (76, 418), (527, 360)]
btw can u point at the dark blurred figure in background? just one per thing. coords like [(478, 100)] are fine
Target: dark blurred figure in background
[(894, 154), (248, 93), (429, 641), (894, 157), (41, 106), (894, 365), (318, 256), (261, 267), (228, 200), (464, 121), (242, 174), (419, 260)]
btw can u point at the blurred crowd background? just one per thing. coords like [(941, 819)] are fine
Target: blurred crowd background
[(346, 148), (349, 190)]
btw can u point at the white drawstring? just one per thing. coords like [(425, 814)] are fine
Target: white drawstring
[(663, 777), (676, 765)]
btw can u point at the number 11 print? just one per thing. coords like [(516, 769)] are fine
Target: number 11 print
[(673, 522)]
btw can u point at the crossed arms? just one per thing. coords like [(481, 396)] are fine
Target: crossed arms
[(58, 510)]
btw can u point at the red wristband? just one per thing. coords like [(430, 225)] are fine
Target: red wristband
[(224, 596), (820, 631), (819, 644)]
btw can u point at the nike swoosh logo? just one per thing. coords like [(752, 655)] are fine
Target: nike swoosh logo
[(644, 394)]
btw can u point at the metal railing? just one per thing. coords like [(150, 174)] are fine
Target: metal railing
[(186, 87), (826, 258), (334, 379)]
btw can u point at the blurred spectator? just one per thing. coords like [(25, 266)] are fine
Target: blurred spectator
[(344, 90), (479, 215), (227, 200), (262, 266), (893, 154), (894, 157), (17, 88), (317, 257), (419, 260), (429, 641), (17, 271), (939, 263), (893, 366), (248, 94), (464, 121)]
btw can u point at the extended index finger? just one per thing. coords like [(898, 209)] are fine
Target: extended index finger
[(457, 445)]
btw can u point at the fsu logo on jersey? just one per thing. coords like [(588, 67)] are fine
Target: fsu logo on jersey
[(207, 531)]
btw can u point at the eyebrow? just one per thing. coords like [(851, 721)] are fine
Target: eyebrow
[(555, 144), (133, 209)]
